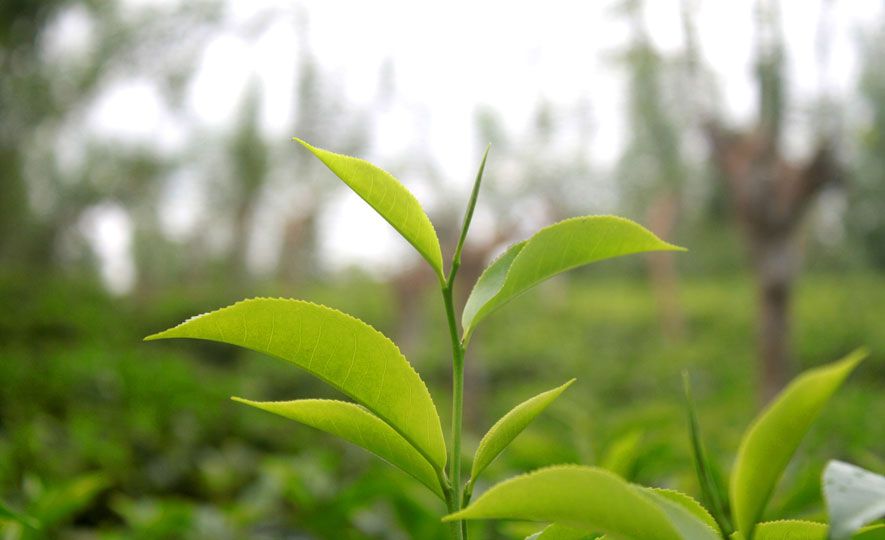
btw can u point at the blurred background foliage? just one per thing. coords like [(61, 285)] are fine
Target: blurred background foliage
[(107, 238)]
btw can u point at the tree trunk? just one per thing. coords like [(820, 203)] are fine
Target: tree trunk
[(775, 270), (662, 218)]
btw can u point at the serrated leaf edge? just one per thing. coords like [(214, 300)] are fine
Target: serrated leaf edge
[(159, 335)]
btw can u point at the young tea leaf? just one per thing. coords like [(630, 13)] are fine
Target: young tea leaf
[(341, 350), (509, 426), (688, 503), (587, 498), (621, 455), (686, 515), (389, 198), (769, 443), (787, 529), (554, 249), (854, 498), (358, 426)]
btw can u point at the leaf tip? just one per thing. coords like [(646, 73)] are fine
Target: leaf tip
[(155, 336)]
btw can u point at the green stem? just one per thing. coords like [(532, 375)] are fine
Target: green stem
[(453, 494), (465, 500), (457, 398)]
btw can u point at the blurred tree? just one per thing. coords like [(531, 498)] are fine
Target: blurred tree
[(45, 95), (248, 154), (770, 196), (322, 116), (652, 167), (867, 217)]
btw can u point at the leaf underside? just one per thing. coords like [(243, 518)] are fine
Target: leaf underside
[(769, 443), (341, 350), (561, 532), (554, 249), (586, 498), (358, 426), (510, 425), (384, 193), (854, 498)]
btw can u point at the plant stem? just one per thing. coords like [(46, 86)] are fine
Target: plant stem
[(453, 495), (465, 500), (457, 398)]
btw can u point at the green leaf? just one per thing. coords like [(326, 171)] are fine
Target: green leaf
[(358, 426), (389, 198), (787, 529), (554, 249), (341, 350), (854, 498), (771, 440), (509, 426), (710, 488), (8, 514), (873, 532), (794, 529), (621, 455), (561, 532), (61, 503), (688, 503), (686, 515), (581, 497)]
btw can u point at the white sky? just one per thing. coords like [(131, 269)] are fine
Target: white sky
[(449, 58)]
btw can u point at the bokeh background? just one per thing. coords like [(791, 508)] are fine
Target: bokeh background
[(147, 174)]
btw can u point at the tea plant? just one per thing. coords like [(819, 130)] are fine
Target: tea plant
[(394, 415), (585, 501)]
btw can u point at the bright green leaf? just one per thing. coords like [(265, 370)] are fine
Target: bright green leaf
[(793, 529), (682, 517), (688, 503), (621, 455), (554, 249), (358, 426), (561, 532), (854, 498), (873, 532), (771, 440), (343, 351), (787, 529), (581, 497), (389, 198), (510, 425)]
